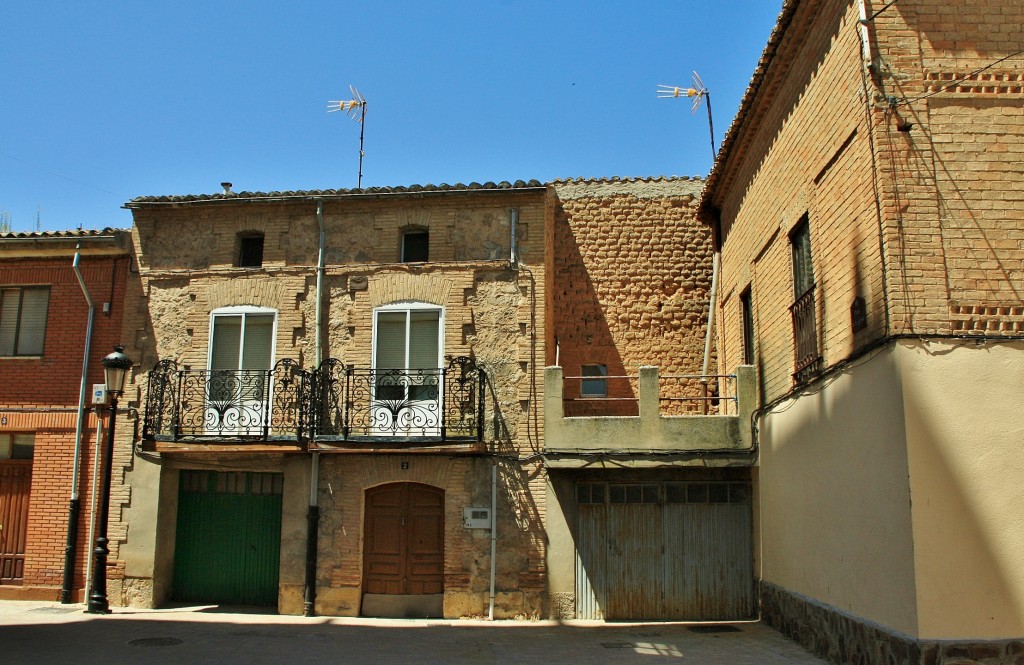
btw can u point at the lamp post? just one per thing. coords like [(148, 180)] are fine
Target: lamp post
[(115, 366)]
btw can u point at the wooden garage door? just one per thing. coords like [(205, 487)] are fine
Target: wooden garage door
[(228, 543), (403, 551), (15, 484), (664, 550)]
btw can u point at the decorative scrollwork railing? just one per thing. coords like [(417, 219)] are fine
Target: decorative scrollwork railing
[(435, 404), (334, 402), (264, 404)]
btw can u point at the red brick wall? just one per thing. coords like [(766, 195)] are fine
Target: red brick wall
[(40, 396)]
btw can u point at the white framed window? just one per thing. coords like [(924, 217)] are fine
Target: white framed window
[(23, 312), (17, 446), (408, 347), (594, 382), (240, 356)]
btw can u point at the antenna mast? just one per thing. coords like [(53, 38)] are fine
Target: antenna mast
[(354, 108), (698, 92)]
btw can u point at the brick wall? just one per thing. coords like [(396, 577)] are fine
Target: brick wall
[(630, 280), (492, 312), (40, 396)]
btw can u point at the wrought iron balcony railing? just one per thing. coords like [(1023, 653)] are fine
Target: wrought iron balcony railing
[(335, 402), (271, 405), (444, 404)]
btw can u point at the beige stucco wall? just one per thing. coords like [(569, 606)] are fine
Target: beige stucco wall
[(835, 506), (964, 430)]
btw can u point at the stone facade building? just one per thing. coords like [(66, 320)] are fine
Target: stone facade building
[(867, 205), (61, 307), (345, 384)]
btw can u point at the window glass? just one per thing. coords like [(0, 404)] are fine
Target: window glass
[(594, 383), (23, 320), (748, 328), (803, 271), (17, 446)]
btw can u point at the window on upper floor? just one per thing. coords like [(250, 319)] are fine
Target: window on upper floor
[(807, 355), (408, 346), (747, 313), (17, 446), (250, 250), (23, 313), (241, 355), (415, 246), (594, 381)]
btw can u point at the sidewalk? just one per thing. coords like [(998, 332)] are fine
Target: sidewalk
[(39, 633)]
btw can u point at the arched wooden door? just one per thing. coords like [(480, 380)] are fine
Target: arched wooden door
[(403, 541)]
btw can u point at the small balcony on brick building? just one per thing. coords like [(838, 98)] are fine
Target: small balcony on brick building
[(648, 420), (291, 409)]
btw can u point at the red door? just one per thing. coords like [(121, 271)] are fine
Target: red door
[(15, 484), (403, 551)]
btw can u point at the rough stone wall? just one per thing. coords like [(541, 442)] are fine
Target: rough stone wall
[(843, 638), (492, 312), (630, 283), (52, 380)]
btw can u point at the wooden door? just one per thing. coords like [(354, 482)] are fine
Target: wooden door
[(15, 485), (403, 551)]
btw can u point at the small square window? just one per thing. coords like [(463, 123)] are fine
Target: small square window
[(594, 382), (250, 250), (415, 246)]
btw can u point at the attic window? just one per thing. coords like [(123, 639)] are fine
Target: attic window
[(250, 250), (415, 246), (594, 382)]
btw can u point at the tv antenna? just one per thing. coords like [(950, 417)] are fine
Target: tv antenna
[(698, 92), (354, 108)]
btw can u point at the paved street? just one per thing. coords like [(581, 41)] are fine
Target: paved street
[(53, 634)]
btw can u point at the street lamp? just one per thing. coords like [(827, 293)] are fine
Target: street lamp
[(115, 366)]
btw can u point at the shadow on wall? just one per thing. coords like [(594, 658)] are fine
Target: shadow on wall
[(582, 336)]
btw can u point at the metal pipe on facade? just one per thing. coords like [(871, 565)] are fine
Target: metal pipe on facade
[(92, 509), (711, 313), (313, 514), (74, 507), (494, 535), (513, 221)]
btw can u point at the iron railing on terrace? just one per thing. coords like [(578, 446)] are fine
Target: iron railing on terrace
[(678, 395), (335, 402), (807, 361)]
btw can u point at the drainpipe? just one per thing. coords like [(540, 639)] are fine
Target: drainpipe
[(74, 506), (313, 515), (94, 493), (711, 314), (513, 221), (494, 535)]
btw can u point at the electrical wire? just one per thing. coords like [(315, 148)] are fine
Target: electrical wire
[(956, 82)]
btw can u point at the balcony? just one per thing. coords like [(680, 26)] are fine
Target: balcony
[(677, 421), (335, 403)]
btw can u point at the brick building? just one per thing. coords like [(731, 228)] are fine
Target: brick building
[(867, 204), (339, 390), (61, 305), (649, 470)]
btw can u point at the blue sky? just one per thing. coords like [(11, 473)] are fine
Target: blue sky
[(106, 101)]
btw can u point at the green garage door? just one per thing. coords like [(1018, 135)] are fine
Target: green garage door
[(228, 544)]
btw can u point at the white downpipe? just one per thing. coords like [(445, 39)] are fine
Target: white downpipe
[(97, 443), (494, 536), (711, 315), (513, 222), (314, 475)]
